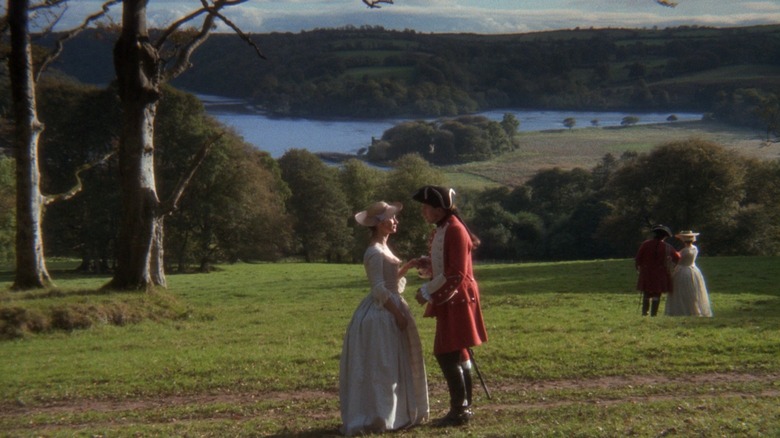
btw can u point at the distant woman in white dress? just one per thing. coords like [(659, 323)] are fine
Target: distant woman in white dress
[(382, 381), (689, 296)]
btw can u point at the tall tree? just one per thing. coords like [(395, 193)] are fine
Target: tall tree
[(31, 271), (142, 68), (319, 206)]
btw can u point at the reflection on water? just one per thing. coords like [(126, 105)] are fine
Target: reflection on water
[(277, 135)]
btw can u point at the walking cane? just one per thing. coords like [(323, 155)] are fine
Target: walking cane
[(476, 368)]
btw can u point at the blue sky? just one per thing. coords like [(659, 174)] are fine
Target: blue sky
[(474, 16)]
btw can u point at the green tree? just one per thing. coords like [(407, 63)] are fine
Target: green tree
[(85, 226), (496, 228), (689, 184), (629, 120), (318, 206), (234, 207), (471, 143), (360, 184), (408, 174), (405, 138), (510, 124), (569, 122), (756, 228), (234, 210), (555, 192)]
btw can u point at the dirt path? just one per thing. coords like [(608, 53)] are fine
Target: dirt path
[(718, 381)]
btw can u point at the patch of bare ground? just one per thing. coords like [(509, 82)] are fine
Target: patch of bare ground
[(276, 405)]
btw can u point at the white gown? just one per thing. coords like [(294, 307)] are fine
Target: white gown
[(382, 381), (689, 292)]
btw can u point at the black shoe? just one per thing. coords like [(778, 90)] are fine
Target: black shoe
[(455, 418)]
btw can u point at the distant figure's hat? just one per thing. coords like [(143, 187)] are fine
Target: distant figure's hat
[(662, 229), (436, 196), (377, 212), (686, 236)]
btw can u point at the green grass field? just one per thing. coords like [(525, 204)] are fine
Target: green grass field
[(253, 349), (586, 147)]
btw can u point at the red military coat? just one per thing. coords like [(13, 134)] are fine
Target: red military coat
[(453, 291), (652, 261)]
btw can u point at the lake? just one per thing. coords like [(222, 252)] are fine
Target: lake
[(277, 135)]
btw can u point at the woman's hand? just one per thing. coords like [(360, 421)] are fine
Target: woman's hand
[(406, 267)]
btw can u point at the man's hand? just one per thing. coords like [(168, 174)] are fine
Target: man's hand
[(419, 297)]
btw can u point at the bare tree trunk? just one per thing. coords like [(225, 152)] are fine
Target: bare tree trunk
[(31, 269), (140, 75), (157, 261), (137, 66)]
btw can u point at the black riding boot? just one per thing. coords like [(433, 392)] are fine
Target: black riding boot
[(466, 366), (453, 374), (645, 305), (654, 307)]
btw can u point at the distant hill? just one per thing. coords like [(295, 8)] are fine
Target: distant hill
[(373, 72)]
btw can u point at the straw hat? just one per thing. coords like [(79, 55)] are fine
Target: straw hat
[(377, 212), (686, 236)]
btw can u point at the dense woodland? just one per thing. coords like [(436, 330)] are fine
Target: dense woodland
[(244, 205), (373, 72)]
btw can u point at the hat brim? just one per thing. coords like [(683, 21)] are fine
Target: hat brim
[(368, 218), (665, 229)]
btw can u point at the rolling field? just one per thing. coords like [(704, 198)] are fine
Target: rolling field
[(586, 147), (253, 350)]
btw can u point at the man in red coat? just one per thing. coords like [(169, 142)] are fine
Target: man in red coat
[(452, 297), (653, 262)]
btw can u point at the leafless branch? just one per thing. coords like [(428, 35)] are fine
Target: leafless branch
[(46, 4), (375, 3), (72, 33), (183, 54), (175, 26), (238, 31), (197, 160), (79, 185)]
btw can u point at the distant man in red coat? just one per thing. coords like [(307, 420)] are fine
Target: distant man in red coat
[(452, 297), (653, 262)]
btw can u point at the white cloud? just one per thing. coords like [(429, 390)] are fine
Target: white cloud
[(477, 16)]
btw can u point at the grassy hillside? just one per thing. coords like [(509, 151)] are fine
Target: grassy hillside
[(586, 147), (253, 351)]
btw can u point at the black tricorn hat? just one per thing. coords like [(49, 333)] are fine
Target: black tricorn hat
[(436, 196), (662, 229)]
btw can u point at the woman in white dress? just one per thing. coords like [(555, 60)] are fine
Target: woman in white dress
[(382, 380), (689, 295)]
